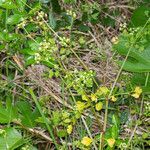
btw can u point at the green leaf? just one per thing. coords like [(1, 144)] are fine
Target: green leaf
[(45, 1), (124, 116), (10, 139), (61, 133), (29, 60), (55, 6), (49, 63), (28, 51), (7, 114), (84, 28), (138, 59), (21, 4), (5, 36), (114, 132), (56, 118), (33, 45), (140, 16), (8, 4), (107, 21), (4, 115), (14, 19), (52, 21), (34, 9), (115, 127), (28, 116), (139, 63), (139, 79), (70, 1)]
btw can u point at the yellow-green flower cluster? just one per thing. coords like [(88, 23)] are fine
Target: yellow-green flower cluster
[(86, 141), (137, 92)]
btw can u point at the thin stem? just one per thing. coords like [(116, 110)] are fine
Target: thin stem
[(43, 116), (115, 82)]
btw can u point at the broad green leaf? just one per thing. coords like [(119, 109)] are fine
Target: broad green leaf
[(7, 114), (114, 131), (25, 109), (14, 19), (52, 21), (140, 16), (5, 36), (28, 116), (10, 139), (139, 79), (138, 60), (31, 27)]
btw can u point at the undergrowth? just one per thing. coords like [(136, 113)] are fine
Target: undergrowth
[(74, 75)]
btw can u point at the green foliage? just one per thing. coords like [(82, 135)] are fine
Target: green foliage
[(28, 116), (137, 44), (80, 80), (8, 113), (14, 19), (140, 16), (52, 21), (10, 139), (65, 103), (8, 4)]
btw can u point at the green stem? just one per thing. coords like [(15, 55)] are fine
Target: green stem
[(43, 116)]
